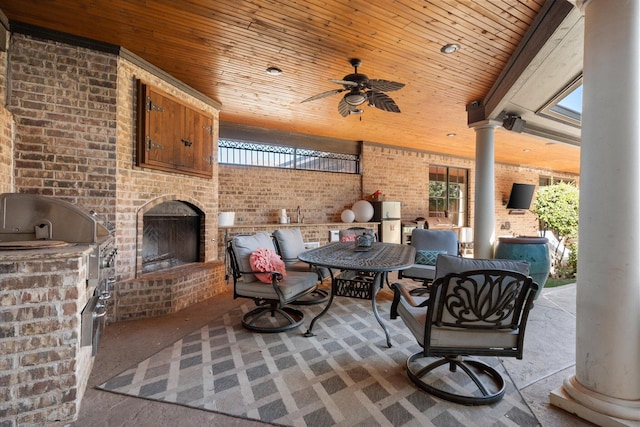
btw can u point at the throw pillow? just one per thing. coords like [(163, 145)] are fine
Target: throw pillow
[(266, 260), (348, 238), (427, 257)]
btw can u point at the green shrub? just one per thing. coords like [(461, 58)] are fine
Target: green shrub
[(557, 209)]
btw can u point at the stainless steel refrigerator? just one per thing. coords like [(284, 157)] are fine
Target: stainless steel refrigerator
[(388, 215)]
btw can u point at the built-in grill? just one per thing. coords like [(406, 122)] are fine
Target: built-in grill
[(35, 222)]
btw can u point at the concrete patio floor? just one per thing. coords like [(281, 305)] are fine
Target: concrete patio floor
[(549, 359)]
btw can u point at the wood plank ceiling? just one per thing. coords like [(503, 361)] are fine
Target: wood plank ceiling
[(222, 48)]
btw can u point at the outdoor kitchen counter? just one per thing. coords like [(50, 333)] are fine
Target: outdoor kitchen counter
[(44, 292), (69, 251), (341, 225)]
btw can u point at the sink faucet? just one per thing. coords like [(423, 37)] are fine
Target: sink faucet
[(298, 214)]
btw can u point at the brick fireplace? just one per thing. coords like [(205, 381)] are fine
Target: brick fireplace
[(87, 157), (171, 235), (179, 283)]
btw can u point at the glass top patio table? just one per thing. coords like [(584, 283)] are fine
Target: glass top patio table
[(379, 261)]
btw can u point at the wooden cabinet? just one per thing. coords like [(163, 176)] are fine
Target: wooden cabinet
[(173, 136)]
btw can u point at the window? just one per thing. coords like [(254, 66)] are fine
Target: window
[(544, 180), (448, 193), (235, 152)]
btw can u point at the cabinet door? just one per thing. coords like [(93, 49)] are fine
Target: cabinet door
[(164, 128), (172, 136), (197, 143)]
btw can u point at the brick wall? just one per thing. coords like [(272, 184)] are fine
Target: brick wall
[(403, 175), (64, 103), (257, 194)]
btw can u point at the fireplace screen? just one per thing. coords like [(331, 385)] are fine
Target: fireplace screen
[(171, 236)]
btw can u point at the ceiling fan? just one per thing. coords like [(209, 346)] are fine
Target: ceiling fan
[(360, 90)]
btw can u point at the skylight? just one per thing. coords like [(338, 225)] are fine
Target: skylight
[(571, 104), (566, 106)]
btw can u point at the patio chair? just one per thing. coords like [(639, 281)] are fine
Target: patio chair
[(475, 308), (289, 244), (428, 245), (271, 288), (351, 233)]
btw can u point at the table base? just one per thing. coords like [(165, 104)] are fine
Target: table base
[(353, 285)]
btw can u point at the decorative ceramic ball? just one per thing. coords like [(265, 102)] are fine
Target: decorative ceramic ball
[(347, 215), (363, 211)]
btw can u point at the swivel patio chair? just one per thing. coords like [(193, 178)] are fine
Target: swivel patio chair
[(475, 308), (428, 245), (350, 233), (289, 244), (271, 289)]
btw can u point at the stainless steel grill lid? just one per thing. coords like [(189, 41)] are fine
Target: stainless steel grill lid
[(30, 217)]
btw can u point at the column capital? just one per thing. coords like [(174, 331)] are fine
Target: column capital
[(580, 4), (485, 124)]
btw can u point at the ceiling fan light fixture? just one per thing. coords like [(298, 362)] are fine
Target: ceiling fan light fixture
[(356, 111), (450, 48), (355, 98)]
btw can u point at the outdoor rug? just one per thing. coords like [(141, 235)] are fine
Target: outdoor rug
[(345, 375)]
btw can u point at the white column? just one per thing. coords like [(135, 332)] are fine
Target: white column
[(606, 386), (484, 213)]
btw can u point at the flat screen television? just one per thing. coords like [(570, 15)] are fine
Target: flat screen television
[(521, 195)]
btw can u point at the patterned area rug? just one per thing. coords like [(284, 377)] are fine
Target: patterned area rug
[(344, 376)]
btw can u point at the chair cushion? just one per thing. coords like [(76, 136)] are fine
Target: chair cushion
[(290, 242), (435, 240), (297, 282), (427, 257), (414, 317), (322, 272), (454, 264), (420, 271), (473, 338), (244, 246), (266, 260)]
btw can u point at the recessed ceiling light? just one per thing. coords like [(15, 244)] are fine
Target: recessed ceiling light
[(450, 48), (526, 150), (274, 71), (451, 135)]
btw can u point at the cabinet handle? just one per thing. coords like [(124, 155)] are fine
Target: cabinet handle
[(186, 142)]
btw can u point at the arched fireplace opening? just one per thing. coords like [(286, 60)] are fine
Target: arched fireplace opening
[(172, 236)]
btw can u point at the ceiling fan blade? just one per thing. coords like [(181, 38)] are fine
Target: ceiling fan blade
[(343, 108), (385, 85), (323, 95), (382, 101), (344, 82)]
